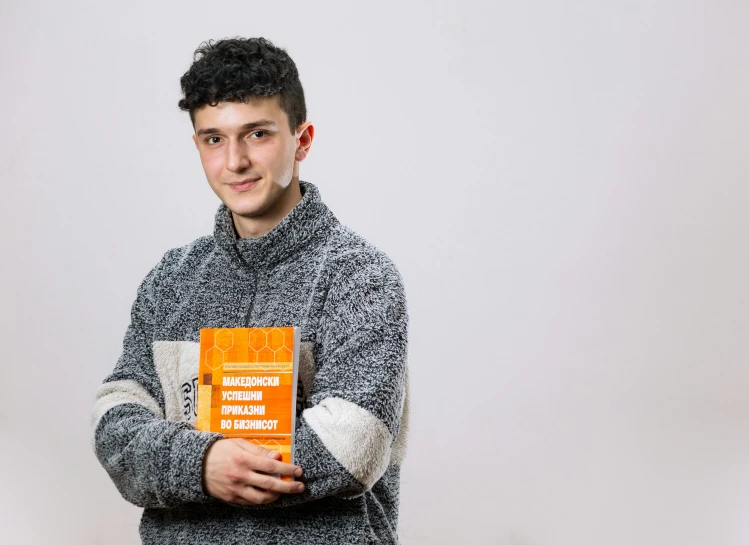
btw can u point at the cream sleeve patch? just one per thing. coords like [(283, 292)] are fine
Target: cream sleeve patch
[(176, 364), (354, 436), (401, 440)]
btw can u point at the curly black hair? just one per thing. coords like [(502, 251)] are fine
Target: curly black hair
[(237, 69)]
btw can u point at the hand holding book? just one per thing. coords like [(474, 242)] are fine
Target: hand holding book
[(238, 471)]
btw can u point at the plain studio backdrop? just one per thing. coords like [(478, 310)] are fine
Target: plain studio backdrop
[(563, 185)]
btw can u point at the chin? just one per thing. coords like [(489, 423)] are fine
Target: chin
[(245, 210), (255, 203), (248, 208)]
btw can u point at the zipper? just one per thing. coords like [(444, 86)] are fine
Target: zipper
[(252, 301)]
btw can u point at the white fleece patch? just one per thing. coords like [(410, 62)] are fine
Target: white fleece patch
[(401, 440), (354, 436), (119, 392), (177, 366)]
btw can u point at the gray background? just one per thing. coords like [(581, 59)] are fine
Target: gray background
[(569, 179)]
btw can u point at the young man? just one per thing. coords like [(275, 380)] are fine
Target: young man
[(277, 257)]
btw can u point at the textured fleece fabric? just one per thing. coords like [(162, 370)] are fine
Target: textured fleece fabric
[(348, 299)]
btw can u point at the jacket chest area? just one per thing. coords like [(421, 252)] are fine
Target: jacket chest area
[(262, 300)]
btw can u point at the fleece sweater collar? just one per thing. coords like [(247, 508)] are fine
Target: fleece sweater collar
[(308, 223)]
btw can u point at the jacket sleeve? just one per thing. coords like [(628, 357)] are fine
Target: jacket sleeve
[(349, 433), (153, 462)]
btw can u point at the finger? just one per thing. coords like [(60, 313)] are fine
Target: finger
[(271, 483), (250, 495), (266, 464), (274, 467), (257, 449)]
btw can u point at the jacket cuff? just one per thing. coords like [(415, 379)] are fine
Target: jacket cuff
[(186, 464)]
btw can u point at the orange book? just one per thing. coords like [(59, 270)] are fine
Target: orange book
[(247, 385)]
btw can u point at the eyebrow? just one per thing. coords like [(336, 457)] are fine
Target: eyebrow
[(246, 127)]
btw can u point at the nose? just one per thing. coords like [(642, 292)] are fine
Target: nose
[(238, 158)]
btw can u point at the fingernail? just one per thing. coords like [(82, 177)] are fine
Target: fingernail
[(300, 487), (298, 472)]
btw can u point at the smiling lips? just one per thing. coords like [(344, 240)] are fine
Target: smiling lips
[(244, 185)]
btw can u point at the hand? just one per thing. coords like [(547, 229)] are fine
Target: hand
[(238, 471)]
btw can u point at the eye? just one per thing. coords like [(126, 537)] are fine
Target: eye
[(212, 140), (258, 134)]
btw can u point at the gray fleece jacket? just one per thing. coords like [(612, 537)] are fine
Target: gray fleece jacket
[(348, 299)]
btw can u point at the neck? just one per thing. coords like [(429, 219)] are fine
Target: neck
[(255, 227)]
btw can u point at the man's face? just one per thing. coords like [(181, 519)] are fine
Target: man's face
[(248, 154)]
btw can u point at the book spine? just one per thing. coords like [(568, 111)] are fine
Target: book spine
[(294, 389)]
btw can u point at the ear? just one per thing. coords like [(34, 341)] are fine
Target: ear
[(305, 133), (195, 139)]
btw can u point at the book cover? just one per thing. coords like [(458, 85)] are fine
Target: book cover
[(247, 385)]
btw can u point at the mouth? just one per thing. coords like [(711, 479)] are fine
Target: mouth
[(244, 185)]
